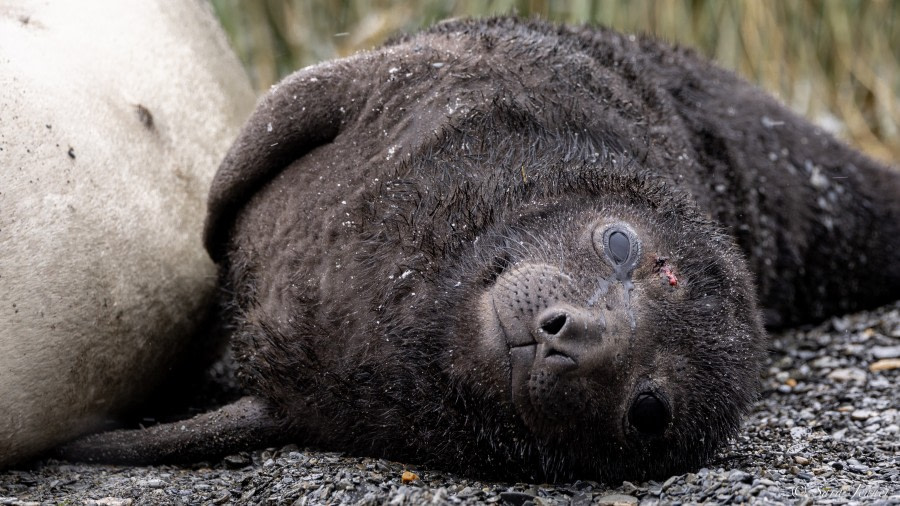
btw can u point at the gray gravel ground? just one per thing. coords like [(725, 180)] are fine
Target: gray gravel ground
[(825, 431)]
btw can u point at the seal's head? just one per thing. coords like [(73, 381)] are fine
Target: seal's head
[(618, 333)]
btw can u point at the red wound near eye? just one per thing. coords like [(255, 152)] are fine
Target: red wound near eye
[(670, 276), (666, 271)]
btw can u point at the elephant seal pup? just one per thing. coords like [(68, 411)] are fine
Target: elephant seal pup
[(113, 117), (523, 250)]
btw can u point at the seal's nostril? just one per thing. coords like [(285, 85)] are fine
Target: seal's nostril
[(554, 324)]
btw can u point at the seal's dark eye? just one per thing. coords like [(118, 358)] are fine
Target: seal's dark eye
[(619, 244), (649, 414), (619, 247)]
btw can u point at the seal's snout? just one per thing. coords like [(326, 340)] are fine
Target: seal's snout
[(565, 334), (538, 305), (529, 302), (556, 341)]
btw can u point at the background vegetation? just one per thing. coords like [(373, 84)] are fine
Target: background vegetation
[(834, 61)]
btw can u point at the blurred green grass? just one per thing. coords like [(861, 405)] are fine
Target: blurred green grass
[(834, 61)]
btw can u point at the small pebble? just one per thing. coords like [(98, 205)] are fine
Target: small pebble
[(887, 364), (616, 500), (514, 498), (110, 501), (738, 475), (668, 483), (848, 375), (862, 414), (883, 352), (237, 461), (629, 488)]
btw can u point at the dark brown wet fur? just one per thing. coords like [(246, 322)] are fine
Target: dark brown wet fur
[(371, 202)]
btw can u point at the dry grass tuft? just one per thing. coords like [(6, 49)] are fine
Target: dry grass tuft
[(836, 62)]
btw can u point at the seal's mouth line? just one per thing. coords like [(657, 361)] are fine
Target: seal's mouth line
[(503, 329), (560, 358)]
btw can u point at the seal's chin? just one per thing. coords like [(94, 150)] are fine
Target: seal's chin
[(547, 391)]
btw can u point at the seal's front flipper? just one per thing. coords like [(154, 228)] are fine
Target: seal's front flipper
[(241, 425)]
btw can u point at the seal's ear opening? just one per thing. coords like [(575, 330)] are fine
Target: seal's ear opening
[(305, 110)]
